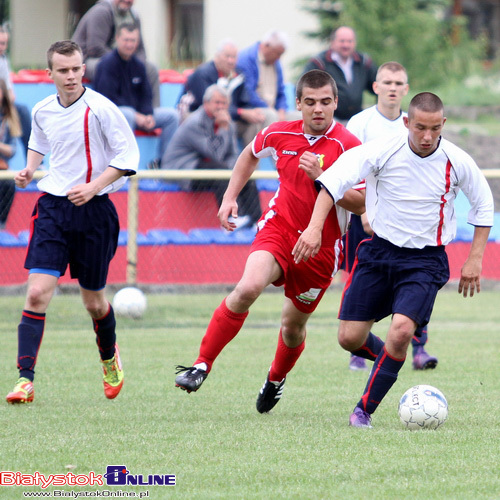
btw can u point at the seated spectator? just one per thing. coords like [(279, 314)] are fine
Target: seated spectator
[(23, 111), (222, 71), (260, 63), (121, 77), (10, 128), (96, 32), (207, 140)]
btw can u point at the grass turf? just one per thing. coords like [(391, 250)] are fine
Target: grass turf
[(216, 443)]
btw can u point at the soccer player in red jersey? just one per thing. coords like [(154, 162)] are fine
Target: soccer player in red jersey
[(302, 150)]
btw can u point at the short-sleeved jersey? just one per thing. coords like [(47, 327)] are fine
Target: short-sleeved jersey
[(294, 200), (371, 124), (83, 140), (410, 198)]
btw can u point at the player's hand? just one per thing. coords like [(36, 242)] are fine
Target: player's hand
[(309, 163), (81, 194), (470, 278), (308, 245), (228, 209), (23, 178)]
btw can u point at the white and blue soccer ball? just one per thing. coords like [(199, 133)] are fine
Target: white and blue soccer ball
[(130, 302), (423, 407)]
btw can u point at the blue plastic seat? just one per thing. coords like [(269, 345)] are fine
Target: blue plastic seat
[(221, 237), (167, 237), (9, 240)]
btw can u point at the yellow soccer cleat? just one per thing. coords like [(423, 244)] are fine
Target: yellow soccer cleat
[(113, 375), (23, 392)]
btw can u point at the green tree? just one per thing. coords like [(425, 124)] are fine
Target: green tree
[(431, 45)]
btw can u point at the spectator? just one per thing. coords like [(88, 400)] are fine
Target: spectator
[(207, 140), (260, 63), (22, 110), (121, 77), (96, 32), (10, 128), (354, 72), (222, 71)]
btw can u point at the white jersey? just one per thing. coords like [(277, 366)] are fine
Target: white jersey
[(371, 124), (83, 140), (409, 198)]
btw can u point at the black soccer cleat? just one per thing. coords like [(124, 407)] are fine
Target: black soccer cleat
[(191, 379), (269, 395)]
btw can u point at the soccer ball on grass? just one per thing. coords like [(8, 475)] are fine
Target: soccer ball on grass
[(130, 302), (423, 407)]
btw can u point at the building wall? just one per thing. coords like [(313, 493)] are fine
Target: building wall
[(247, 21), (35, 26)]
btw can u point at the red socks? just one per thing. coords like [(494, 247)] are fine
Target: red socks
[(223, 327), (284, 359)]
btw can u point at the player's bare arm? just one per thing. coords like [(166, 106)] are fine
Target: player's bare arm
[(309, 242), (24, 176), (243, 169), (82, 193), (353, 201), (470, 279), (309, 163)]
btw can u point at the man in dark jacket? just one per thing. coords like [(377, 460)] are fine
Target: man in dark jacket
[(121, 77), (353, 71), (96, 33)]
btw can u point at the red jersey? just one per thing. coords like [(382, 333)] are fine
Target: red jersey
[(294, 200)]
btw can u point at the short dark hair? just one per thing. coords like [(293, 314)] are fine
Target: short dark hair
[(64, 47), (126, 26), (315, 79), (425, 101)]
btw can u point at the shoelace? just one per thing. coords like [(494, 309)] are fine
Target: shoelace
[(181, 368), (111, 369)]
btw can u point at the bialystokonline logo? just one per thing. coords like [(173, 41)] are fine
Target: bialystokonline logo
[(116, 475)]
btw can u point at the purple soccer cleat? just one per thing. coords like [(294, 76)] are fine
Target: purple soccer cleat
[(359, 418), (423, 361), (356, 363)]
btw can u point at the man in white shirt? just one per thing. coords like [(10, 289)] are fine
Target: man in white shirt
[(384, 119), (411, 183), (74, 222)]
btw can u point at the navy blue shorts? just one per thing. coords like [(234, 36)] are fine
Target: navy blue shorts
[(84, 237), (387, 279)]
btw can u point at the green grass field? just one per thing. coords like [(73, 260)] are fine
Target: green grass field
[(214, 440)]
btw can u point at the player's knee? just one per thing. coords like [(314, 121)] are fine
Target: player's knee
[(247, 293), (349, 339), (96, 308), (293, 335), (36, 298), (401, 330)]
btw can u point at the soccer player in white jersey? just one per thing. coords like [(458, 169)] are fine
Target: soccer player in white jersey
[(383, 120), (412, 181), (301, 149), (74, 222)]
